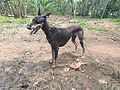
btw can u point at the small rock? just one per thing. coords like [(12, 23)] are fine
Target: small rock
[(73, 89), (3, 32), (24, 84), (1, 44), (66, 69), (2, 88), (102, 81), (116, 38), (35, 83), (7, 69), (28, 53)]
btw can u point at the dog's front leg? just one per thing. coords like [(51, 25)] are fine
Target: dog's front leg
[(53, 55), (56, 53), (55, 49)]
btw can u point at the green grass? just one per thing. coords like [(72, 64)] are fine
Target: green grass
[(2, 26), (5, 21), (78, 21), (117, 21), (13, 20), (83, 22), (114, 19), (28, 39), (96, 28)]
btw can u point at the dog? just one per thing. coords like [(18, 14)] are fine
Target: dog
[(57, 37)]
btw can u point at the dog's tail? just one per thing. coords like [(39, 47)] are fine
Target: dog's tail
[(81, 34), (81, 37)]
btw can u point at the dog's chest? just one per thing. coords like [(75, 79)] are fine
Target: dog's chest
[(52, 35)]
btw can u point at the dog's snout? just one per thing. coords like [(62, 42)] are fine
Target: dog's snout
[(29, 27)]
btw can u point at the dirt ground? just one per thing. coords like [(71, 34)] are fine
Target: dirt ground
[(24, 59)]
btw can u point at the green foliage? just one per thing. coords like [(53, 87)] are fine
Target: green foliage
[(31, 8), (113, 8), (92, 8)]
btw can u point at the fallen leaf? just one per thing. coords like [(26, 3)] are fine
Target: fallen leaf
[(77, 64)]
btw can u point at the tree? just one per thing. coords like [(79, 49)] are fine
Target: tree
[(93, 8), (107, 1)]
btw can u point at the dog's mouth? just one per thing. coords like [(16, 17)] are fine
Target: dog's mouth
[(34, 30)]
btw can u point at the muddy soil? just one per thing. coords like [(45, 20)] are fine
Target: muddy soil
[(24, 59)]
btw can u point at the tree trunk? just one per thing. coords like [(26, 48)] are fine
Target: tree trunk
[(12, 8), (107, 1), (24, 9), (84, 7), (5, 8), (72, 7)]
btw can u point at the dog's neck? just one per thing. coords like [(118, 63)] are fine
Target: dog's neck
[(46, 28)]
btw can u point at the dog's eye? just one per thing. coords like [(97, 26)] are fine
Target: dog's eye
[(36, 21), (41, 22)]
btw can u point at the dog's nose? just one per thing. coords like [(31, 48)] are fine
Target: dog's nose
[(28, 27)]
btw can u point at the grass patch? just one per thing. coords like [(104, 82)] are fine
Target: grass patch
[(28, 39), (118, 30), (2, 27), (117, 21), (114, 19), (13, 20), (78, 21), (96, 28)]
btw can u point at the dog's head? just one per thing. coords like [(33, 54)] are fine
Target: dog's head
[(37, 22)]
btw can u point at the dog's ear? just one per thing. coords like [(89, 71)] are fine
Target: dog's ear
[(47, 15), (39, 13)]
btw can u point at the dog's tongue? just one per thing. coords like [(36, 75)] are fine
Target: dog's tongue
[(35, 30), (31, 32)]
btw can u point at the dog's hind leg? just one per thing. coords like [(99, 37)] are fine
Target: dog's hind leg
[(82, 45), (74, 42), (81, 38)]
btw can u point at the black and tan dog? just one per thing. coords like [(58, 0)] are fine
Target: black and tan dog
[(57, 37)]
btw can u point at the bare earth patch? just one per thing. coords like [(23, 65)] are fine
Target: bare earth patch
[(24, 59)]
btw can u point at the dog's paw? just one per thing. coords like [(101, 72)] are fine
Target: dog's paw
[(82, 57), (51, 62)]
